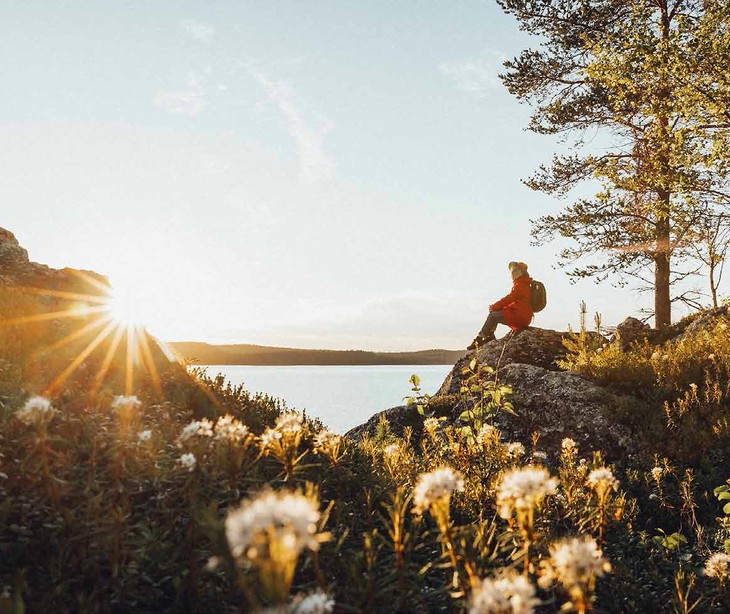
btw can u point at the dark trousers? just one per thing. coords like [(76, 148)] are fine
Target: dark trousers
[(490, 325)]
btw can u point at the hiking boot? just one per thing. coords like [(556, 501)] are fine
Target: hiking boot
[(478, 340)]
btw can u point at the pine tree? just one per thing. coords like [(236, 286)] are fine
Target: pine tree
[(642, 73)]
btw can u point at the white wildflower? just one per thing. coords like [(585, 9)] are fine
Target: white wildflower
[(122, 402), (326, 439), (318, 602), (657, 473), (569, 445), (273, 520), (539, 454), (227, 428), (392, 450), (268, 437), (430, 424), (37, 410), (510, 594), (144, 435), (289, 422), (602, 479), (575, 562), (524, 489), (436, 486), (188, 461), (196, 429), (718, 566), (487, 434), (515, 449)]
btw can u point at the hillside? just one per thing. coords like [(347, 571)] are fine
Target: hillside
[(243, 354), (140, 486)]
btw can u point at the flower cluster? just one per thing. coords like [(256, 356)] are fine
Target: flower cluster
[(197, 429), (263, 525), (510, 594), (36, 411), (718, 566), (230, 430), (326, 439), (602, 481), (317, 602), (568, 445), (575, 563), (487, 434), (524, 489), (436, 486), (430, 425), (188, 461), (289, 422), (285, 435)]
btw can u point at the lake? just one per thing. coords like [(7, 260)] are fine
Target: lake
[(341, 396)]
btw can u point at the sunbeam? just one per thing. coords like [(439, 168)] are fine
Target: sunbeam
[(100, 322)]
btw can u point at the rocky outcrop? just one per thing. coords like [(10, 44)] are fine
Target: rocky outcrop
[(705, 320), (16, 269), (548, 402), (12, 256), (559, 404), (535, 346)]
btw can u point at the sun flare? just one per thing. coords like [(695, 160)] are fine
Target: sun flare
[(124, 307)]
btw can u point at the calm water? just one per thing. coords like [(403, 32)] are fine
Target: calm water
[(341, 396)]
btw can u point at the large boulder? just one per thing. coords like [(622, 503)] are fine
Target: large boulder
[(633, 330), (559, 404), (533, 346), (552, 404), (548, 402)]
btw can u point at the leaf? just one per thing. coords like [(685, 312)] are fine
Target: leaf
[(410, 401), (726, 508), (415, 381), (724, 496), (720, 489), (472, 363)]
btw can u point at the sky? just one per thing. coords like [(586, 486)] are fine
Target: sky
[(324, 174)]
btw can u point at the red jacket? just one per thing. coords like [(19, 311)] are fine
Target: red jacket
[(516, 305)]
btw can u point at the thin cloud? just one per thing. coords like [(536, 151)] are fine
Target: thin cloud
[(308, 135), (478, 75), (198, 30), (190, 100)]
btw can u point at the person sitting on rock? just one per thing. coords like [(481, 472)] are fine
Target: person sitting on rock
[(514, 310)]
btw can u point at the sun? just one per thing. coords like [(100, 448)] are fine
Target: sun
[(124, 307)]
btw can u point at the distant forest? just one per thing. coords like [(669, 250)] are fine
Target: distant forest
[(207, 354)]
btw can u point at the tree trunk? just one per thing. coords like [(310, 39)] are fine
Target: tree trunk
[(662, 297)]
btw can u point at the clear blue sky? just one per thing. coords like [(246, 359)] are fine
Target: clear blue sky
[(332, 174)]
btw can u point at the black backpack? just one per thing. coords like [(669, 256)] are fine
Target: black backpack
[(538, 296)]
